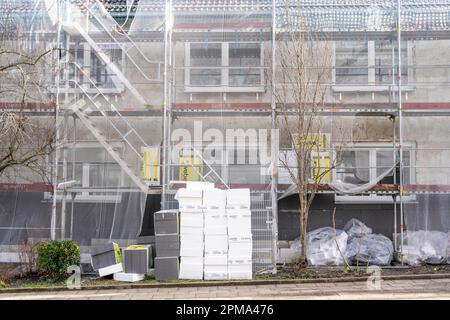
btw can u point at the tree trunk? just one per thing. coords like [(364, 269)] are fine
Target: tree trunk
[(303, 229)]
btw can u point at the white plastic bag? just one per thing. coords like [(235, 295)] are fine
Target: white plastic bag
[(425, 247), (356, 228), (326, 246), (372, 249)]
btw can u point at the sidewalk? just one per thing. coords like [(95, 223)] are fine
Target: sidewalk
[(390, 289)]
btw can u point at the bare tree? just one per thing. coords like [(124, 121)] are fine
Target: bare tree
[(303, 64), (24, 76)]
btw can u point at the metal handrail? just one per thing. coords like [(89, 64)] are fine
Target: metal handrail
[(113, 107), (110, 122), (106, 14)]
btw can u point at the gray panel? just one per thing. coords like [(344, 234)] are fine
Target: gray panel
[(136, 260), (103, 256), (146, 240), (166, 268), (166, 222), (168, 245), (102, 249)]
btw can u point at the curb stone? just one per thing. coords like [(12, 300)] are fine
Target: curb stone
[(227, 283)]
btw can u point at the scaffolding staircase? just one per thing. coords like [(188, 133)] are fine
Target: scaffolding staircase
[(77, 108), (115, 120), (90, 21), (93, 20)]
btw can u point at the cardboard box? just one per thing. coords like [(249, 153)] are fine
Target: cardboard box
[(240, 247), (191, 245), (216, 224), (191, 219), (216, 259), (192, 230), (216, 244), (214, 199), (239, 224), (239, 269), (166, 222), (215, 272), (191, 268), (238, 198), (128, 277), (167, 245), (191, 197), (239, 254), (167, 268)]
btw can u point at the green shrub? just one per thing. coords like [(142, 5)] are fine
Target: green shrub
[(2, 284), (55, 256)]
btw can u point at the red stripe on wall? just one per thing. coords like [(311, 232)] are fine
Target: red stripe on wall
[(27, 187)]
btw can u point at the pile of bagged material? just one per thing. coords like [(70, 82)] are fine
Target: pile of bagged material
[(356, 228), (373, 249), (354, 245), (425, 247), (364, 247), (326, 246)]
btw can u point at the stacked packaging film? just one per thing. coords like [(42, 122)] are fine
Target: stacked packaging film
[(215, 235), (240, 247), (192, 245)]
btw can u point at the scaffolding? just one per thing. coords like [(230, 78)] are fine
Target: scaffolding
[(129, 74)]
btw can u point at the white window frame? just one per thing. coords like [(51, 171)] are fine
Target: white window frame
[(371, 85), (84, 196), (374, 197), (119, 87), (224, 86)]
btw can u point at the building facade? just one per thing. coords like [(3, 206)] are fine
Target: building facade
[(141, 89)]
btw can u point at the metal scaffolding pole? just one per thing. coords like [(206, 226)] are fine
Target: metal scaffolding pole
[(400, 133), (57, 133), (168, 21), (274, 155)]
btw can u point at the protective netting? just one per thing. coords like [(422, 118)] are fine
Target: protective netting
[(128, 74)]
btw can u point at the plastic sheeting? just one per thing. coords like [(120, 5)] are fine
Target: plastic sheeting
[(349, 188), (356, 228), (104, 204), (427, 229), (326, 246), (371, 249), (425, 247)]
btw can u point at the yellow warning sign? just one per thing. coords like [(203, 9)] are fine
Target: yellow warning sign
[(191, 168), (150, 170), (321, 167)]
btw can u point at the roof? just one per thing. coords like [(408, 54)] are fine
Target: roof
[(317, 15)]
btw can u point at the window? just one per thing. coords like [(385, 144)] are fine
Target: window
[(351, 62), (100, 75), (363, 163), (97, 174), (364, 63), (224, 67), (386, 55)]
